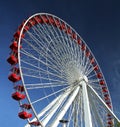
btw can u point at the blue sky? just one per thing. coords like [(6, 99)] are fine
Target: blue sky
[(98, 22)]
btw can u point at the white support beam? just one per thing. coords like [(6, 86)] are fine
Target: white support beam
[(48, 107), (45, 110), (64, 125), (97, 117), (104, 104), (65, 107), (86, 105), (52, 106), (55, 107)]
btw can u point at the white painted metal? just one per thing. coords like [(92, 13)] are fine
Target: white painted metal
[(65, 107), (55, 107), (45, 109), (19, 61), (48, 107), (64, 125), (76, 61), (98, 118), (86, 105), (104, 104), (52, 107)]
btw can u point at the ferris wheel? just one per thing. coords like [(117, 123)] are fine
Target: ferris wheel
[(56, 78)]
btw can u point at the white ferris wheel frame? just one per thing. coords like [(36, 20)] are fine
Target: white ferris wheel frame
[(83, 83)]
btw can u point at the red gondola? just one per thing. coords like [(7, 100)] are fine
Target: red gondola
[(51, 20), (14, 45), (83, 47), (62, 26), (38, 19), (12, 59), (109, 115), (57, 22), (32, 22), (69, 30), (13, 77), (26, 28), (106, 95), (104, 89), (45, 19), (92, 60), (110, 122), (17, 34), (96, 68), (88, 53), (24, 115), (19, 88), (109, 104), (18, 96), (15, 70), (107, 98), (35, 123), (74, 36), (79, 41), (102, 82), (26, 106), (99, 75)]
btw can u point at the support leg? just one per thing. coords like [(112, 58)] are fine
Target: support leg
[(87, 113)]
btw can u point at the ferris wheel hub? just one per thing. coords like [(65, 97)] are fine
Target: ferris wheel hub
[(80, 80), (83, 78)]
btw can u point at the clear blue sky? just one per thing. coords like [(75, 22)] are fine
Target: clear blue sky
[(98, 22)]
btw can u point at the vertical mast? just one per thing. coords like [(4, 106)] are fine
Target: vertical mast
[(86, 105)]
